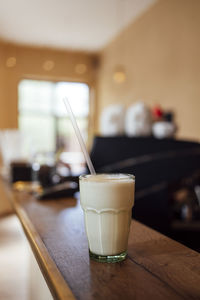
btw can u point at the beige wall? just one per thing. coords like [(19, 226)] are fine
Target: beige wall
[(2, 85), (161, 55), (29, 64)]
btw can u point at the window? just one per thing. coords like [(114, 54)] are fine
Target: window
[(43, 116)]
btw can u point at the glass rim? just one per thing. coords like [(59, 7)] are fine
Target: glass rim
[(126, 175)]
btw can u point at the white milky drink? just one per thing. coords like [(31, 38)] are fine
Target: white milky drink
[(107, 201)]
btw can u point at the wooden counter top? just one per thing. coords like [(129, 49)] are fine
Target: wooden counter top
[(156, 268)]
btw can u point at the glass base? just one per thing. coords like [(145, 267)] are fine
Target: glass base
[(108, 258)]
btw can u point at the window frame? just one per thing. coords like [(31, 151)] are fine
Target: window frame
[(90, 130)]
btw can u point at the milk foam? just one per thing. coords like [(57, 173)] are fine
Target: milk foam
[(108, 177)]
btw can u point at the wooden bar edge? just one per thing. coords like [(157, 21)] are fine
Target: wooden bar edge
[(56, 283)]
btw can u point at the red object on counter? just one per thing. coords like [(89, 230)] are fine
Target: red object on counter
[(157, 112)]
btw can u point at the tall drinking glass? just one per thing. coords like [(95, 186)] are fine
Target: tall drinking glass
[(107, 201)]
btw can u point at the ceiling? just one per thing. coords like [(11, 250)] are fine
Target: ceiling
[(86, 25)]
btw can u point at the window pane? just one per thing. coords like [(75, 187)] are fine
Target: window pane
[(67, 135), (36, 96), (78, 96), (40, 130)]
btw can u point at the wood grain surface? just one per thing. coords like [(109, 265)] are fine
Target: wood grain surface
[(156, 268)]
